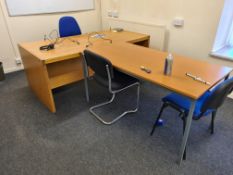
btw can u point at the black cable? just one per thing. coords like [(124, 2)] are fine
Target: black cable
[(58, 40), (51, 37)]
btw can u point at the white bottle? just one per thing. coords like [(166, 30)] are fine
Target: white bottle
[(168, 64)]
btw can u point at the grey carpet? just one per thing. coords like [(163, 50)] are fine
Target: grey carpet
[(34, 141)]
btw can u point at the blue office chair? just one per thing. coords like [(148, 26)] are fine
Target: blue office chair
[(205, 105), (68, 26)]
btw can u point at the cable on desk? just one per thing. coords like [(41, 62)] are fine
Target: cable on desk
[(89, 43), (57, 39)]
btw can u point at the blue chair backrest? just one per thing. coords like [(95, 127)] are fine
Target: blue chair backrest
[(68, 26), (218, 95)]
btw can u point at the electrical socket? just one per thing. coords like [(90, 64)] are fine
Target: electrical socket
[(115, 14), (178, 22), (109, 13), (18, 61)]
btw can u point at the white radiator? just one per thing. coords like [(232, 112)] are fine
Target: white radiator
[(156, 32)]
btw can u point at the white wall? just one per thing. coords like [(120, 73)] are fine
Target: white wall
[(6, 48), (31, 28), (195, 39)]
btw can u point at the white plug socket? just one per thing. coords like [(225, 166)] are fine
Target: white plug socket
[(178, 22), (109, 12), (18, 61), (115, 14)]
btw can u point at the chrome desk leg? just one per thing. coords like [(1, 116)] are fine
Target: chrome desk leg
[(85, 75), (187, 129)]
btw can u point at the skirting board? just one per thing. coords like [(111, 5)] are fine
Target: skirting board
[(13, 69), (231, 95)]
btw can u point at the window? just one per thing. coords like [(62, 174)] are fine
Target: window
[(223, 45)]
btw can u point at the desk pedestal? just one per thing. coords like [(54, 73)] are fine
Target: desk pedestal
[(43, 78)]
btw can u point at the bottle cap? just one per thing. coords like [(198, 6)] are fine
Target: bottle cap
[(170, 57)]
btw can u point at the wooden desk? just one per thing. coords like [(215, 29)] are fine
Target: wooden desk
[(47, 70), (128, 58)]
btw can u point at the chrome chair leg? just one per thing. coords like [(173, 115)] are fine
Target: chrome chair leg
[(86, 76), (111, 100)]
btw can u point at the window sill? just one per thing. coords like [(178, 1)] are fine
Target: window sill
[(224, 53)]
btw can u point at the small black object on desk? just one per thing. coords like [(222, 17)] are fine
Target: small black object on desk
[(47, 47)]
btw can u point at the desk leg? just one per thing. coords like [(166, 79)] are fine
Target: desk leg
[(187, 129), (85, 75)]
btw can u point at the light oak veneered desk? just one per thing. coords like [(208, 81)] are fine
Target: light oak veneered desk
[(128, 58), (47, 70)]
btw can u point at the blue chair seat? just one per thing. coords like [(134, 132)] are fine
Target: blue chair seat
[(184, 103)]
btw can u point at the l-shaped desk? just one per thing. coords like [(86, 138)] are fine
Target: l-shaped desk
[(48, 70)]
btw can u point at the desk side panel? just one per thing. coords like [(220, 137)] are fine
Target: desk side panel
[(145, 42), (37, 76)]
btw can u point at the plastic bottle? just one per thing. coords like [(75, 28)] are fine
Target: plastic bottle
[(168, 64)]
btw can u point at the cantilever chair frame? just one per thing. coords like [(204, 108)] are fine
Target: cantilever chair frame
[(113, 92)]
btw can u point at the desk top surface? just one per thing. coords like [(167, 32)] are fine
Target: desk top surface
[(68, 48), (129, 58)]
